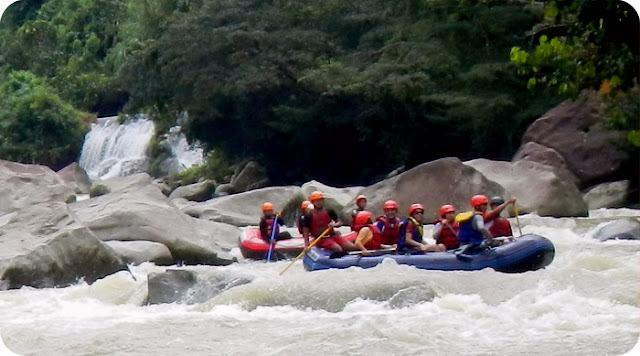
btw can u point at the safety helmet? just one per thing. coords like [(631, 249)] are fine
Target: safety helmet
[(390, 204), (305, 204), (317, 195), (267, 206), (361, 197), (497, 200), (477, 200), (415, 207), (446, 209), (363, 217)]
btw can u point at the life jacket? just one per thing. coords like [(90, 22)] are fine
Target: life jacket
[(320, 219), (500, 227), (376, 242), (298, 223), (389, 231), (467, 234), (416, 235), (448, 236), (268, 222), (353, 218)]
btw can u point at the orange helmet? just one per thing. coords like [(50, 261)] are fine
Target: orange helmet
[(305, 204), (477, 200), (363, 217), (267, 206), (317, 195), (415, 207), (446, 209), (390, 204), (361, 197)]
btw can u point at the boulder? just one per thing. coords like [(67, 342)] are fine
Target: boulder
[(23, 185), (432, 184), (141, 212), (576, 130), (335, 198), (243, 209), (608, 195), (59, 260), (251, 173), (137, 252), (196, 192), (127, 183), (537, 187), (75, 175), (535, 152), (623, 229), (170, 286), (224, 189)]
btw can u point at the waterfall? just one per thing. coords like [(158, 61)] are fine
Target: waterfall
[(185, 155), (111, 149)]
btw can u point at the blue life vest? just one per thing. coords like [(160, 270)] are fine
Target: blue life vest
[(417, 232), (467, 234)]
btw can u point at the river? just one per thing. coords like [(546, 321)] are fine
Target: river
[(585, 303)]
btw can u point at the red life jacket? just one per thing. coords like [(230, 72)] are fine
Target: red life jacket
[(389, 230), (269, 228), (319, 222), (500, 227), (449, 237), (376, 241), (353, 218)]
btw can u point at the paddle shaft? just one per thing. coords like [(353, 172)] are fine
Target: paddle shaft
[(313, 243), (515, 208), (273, 235)]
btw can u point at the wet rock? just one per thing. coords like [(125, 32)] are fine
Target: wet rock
[(623, 229), (170, 286), (608, 195), (137, 252), (537, 187)]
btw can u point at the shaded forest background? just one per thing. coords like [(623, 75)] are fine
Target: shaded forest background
[(342, 91)]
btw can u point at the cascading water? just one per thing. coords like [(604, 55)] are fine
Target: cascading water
[(112, 149)]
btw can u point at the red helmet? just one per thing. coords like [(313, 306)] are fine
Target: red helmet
[(477, 200), (390, 204), (317, 195), (446, 209), (305, 204), (363, 218), (415, 207), (361, 197), (267, 206)]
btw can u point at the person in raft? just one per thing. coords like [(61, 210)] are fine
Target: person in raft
[(320, 220), (303, 221), (389, 223), (496, 224), (369, 237), (446, 229), (361, 204), (472, 231), (270, 221), (411, 233)]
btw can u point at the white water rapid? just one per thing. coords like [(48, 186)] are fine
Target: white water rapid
[(112, 149), (585, 303)]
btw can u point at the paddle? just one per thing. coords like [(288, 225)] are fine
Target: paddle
[(515, 208), (381, 251), (313, 243), (273, 235)]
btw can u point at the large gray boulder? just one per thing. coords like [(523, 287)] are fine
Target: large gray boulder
[(137, 252), (201, 191), (75, 175), (623, 229), (140, 211), (43, 247), (22, 185), (577, 131), (244, 209), (535, 152), (608, 195), (251, 175), (537, 187), (432, 184)]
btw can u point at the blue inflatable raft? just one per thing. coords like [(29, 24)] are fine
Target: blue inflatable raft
[(525, 253)]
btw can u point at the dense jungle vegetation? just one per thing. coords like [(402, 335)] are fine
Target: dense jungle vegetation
[(337, 90)]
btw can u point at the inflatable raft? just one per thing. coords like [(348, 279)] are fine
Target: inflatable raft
[(253, 246), (525, 253)]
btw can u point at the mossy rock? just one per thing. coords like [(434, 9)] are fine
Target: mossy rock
[(98, 190)]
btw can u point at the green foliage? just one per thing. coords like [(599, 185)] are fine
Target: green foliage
[(36, 125), (98, 190)]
